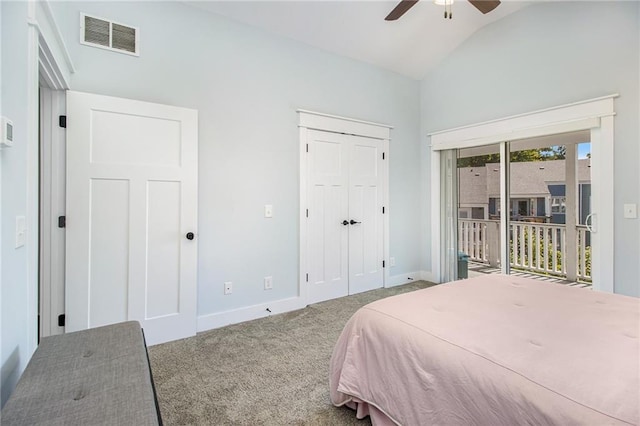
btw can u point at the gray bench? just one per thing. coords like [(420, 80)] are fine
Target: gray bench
[(91, 377)]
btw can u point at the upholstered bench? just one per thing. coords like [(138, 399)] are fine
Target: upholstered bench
[(90, 377)]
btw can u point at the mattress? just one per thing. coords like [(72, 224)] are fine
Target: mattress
[(492, 350)]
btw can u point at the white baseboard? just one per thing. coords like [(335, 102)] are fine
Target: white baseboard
[(248, 313), (235, 316), (401, 279)]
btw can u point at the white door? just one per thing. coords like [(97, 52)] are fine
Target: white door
[(365, 214), (345, 226), (328, 191), (132, 171)]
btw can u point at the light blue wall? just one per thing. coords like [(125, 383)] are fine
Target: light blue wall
[(546, 55), (247, 85), (15, 347)]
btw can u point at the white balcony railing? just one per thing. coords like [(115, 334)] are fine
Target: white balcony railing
[(535, 247), (584, 253)]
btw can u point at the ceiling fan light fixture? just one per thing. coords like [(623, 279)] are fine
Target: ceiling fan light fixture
[(484, 6), (447, 7)]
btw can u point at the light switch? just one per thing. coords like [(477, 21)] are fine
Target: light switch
[(268, 210), (21, 231), (630, 211), (6, 132)]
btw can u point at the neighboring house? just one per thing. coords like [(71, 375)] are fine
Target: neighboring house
[(537, 191)]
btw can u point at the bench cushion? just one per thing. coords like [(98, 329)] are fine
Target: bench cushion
[(96, 376)]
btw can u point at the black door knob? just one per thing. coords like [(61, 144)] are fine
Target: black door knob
[(345, 222), (353, 222), (190, 235)]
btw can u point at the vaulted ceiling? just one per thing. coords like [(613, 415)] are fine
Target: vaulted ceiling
[(410, 46)]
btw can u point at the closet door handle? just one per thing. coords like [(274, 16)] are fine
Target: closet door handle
[(353, 222), (345, 222)]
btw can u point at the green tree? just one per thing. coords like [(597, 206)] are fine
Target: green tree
[(526, 155)]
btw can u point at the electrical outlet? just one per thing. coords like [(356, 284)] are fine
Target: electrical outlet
[(392, 261), (268, 283), (268, 210), (228, 287)]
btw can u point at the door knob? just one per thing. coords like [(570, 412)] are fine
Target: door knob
[(190, 235), (345, 222), (353, 222)]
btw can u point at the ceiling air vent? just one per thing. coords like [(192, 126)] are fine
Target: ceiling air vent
[(108, 35)]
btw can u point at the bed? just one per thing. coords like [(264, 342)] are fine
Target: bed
[(492, 350)]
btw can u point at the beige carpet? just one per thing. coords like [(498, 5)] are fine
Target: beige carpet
[(271, 371)]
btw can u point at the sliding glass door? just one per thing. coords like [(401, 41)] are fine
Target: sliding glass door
[(518, 207), (479, 207)]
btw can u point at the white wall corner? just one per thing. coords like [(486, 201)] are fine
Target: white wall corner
[(410, 277), (428, 276), (235, 316)]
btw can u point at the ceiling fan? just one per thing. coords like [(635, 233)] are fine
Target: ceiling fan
[(484, 6)]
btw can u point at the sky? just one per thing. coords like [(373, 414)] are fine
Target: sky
[(584, 149)]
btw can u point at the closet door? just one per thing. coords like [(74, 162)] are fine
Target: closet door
[(328, 193), (365, 214), (345, 220)]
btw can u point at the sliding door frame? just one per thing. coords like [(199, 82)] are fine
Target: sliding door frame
[(505, 202), (594, 115)]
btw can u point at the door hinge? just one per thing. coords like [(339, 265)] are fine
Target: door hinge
[(61, 320), (62, 121), (383, 155), (307, 277), (307, 147), (62, 221), (307, 212), (383, 263), (382, 209)]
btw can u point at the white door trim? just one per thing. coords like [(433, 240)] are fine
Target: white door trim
[(52, 198), (309, 120), (595, 115), (560, 119), (50, 67), (45, 49)]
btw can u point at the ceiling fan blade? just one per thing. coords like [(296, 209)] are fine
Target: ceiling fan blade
[(400, 9), (485, 6)]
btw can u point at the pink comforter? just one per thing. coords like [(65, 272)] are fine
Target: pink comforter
[(493, 350)]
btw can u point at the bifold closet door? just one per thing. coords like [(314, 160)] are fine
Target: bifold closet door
[(345, 227)]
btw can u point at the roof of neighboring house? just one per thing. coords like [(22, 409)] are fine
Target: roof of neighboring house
[(529, 179), (473, 185)]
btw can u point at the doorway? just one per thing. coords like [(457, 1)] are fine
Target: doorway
[(127, 173), (51, 147)]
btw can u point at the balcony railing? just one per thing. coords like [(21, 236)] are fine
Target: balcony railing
[(534, 247)]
